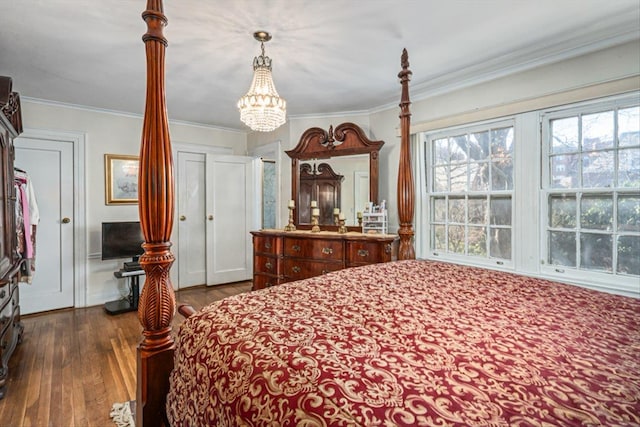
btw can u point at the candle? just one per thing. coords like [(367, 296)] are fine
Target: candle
[(292, 204), (336, 211), (315, 212), (314, 204), (341, 216), (359, 214)]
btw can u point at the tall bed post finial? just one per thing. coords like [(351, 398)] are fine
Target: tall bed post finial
[(405, 177), (156, 205)]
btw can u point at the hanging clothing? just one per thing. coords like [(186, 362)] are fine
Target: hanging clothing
[(27, 219)]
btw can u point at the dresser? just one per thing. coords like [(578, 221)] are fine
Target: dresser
[(10, 326), (285, 256)]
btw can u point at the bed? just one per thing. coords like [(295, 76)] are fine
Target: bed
[(404, 343), (410, 343)]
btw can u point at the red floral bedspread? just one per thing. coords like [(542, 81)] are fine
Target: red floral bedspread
[(411, 343)]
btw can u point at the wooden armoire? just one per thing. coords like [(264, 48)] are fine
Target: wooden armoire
[(10, 326)]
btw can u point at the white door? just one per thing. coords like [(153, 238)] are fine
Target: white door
[(49, 164), (230, 213), (191, 219)]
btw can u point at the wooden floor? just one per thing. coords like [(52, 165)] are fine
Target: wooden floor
[(72, 365)]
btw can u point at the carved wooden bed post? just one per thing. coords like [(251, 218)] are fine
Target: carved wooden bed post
[(155, 187), (405, 178)]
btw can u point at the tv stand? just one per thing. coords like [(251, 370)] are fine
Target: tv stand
[(131, 302)]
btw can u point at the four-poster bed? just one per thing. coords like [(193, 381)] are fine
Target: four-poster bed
[(402, 343)]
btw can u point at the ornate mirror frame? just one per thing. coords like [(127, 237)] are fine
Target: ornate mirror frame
[(347, 139)]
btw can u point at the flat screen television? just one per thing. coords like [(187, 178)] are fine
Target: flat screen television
[(122, 239)]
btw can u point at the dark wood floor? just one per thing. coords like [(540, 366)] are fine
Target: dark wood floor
[(72, 365)]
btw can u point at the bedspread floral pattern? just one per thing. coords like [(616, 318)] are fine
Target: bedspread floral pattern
[(410, 343)]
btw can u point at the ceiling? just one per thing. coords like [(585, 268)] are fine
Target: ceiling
[(328, 56)]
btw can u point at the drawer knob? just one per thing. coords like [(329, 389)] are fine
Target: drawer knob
[(326, 271), (3, 293), (268, 284), (267, 245), (387, 248), (295, 269), (295, 248), (327, 251), (363, 252), (269, 266)]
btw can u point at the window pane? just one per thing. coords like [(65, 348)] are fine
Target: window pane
[(629, 126), (501, 143), (562, 248), (440, 182), (597, 169), (629, 255), (596, 212), (629, 167), (458, 177), (479, 146), (564, 171), (596, 251), (456, 239), (502, 174), (562, 211), (477, 210), (458, 148), (439, 209), (478, 241), (501, 210), (629, 213), (479, 176), (597, 131), (441, 151), (439, 237), (456, 210), (500, 243), (564, 135)]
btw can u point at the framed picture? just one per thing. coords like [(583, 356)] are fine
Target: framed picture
[(121, 179)]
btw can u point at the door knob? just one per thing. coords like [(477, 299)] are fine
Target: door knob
[(210, 217), (182, 217), (66, 220)]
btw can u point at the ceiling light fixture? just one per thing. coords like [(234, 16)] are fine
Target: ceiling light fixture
[(261, 108)]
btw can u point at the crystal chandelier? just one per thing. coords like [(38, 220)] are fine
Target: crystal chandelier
[(261, 108)]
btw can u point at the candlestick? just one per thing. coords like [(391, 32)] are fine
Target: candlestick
[(359, 219), (290, 226), (292, 204), (342, 229), (314, 204), (315, 213)]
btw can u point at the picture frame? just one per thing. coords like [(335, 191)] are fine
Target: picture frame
[(121, 179)]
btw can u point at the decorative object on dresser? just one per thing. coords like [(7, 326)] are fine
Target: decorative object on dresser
[(322, 183), (374, 219), (11, 328), (280, 257)]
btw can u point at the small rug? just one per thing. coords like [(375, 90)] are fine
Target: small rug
[(122, 415)]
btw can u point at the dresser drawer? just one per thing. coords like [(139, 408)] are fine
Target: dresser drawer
[(261, 281), (265, 264), (313, 248), (296, 269), (266, 244), (361, 253)]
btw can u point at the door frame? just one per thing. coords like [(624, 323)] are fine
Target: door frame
[(80, 256), (271, 151)]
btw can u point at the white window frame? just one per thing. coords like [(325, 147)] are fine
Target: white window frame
[(484, 261), (590, 278)]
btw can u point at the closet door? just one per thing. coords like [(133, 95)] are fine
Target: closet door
[(50, 167), (230, 205), (191, 219)]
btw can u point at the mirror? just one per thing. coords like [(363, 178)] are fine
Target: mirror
[(336, 170)]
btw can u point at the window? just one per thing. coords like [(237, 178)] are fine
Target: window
[(592, 188), (470, 192), (553, 194)]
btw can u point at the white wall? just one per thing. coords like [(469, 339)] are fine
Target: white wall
[(112, 133)]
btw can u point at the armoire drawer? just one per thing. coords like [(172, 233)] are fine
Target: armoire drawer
[(266, 244), (261, 281), (313, 248), (265, 264)]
